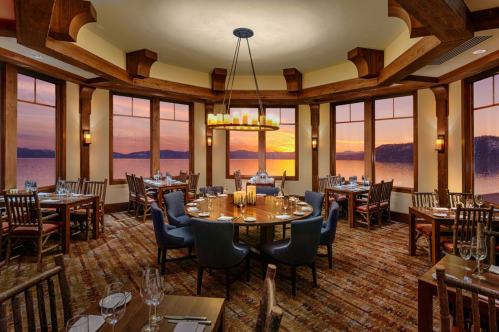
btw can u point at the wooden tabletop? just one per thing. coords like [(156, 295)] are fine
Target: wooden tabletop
[(430, 213), (163, 184), (347, 190), (136, 314), (51, 200), (265, 207)]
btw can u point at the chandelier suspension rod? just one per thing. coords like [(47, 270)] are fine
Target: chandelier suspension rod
[(254, 76), (232, 70)]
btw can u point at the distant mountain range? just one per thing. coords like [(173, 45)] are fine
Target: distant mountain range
[(35, 153), (487, 154), (395, 153), (163, 154), (243, 154)]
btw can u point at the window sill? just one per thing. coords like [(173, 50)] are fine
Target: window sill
[(402, 190)]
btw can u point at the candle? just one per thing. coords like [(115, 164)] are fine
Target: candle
[(251, 192), (254, 119), (220, 119), (245, 116), (226, 119), (235, 118), (274, 121), (211, 119), (262, 119), (269, 120)]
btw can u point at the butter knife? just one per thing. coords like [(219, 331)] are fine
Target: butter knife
[(184, 317), (201, 322)]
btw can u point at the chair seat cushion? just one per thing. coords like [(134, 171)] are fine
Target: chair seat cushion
[(246, 248), (424, 229), (133, 196), (5, 226), (184, 232), (181, 221), (337, 199), (384, 205), (269, 248), (363, 208), (447, 243), (150, 200), (33, 230)]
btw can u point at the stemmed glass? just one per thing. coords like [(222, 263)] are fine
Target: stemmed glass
[(479, 200), (113, 303), (78, 324), (465, 252), (285, 202), (435, 201), (479, 251), (469, 203), (243, 209), (343, 181), (149, 292), (241, 205), (158, 318), (225, 188)]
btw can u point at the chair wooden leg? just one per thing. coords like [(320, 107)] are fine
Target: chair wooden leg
[(330, 255), (210, 272), (389, 215), (314, 274), (293, 280), (227, 284), (248, 268), (200, 279), (159, 255), (190, 251), (430, 247), (9, 248), (40, 250), (163, 261), (380, 214), (145, 212), (368, 222)]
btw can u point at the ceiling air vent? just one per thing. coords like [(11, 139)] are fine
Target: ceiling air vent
[(458, 50)]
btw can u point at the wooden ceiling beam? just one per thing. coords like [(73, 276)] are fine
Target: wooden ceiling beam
[(418, 80), (448, 20), (369, 62), (218, 77), (486, 19), (416, 29), (139, 63), (293, 79), (328, 90), (68, 18), (476, 67), (33, 21)]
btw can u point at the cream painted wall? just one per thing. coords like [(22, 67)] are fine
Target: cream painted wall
[(333, 74), (72, 131), (98, 46), (427, 125), (180, 75), (455, 152), (399, 46)]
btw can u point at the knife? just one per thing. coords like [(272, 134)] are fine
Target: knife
[(201, 322), (184, 317)]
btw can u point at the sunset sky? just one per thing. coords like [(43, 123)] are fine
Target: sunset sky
[(486, 119)]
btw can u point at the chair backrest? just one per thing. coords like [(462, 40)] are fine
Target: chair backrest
[(492, 239), (420, 199), (269, 315), (193, 182), (304, 243), (174, 204), (446, 317), (331, 224), (23, 209), (466, 224), (182, 177), (386, 192), (270, 191), (220, 253), (216, 190), (375, 194), (14, 295), (75, 186), (140, 186), (97, 188), (333, 179), (283, 181), (238, 180), (454, 199), (323, 184), (163, 238), (316, 200), (132, 186)]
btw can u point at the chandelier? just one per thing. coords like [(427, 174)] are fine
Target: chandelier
[(241, 122)]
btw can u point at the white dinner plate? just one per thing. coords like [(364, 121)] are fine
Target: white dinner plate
[(434, 275), (306, 208), (279, 196), (250, 219), (302, 203), (299, 213), (192, 204), (283, 217), (199, 200), (440, 209), (440, 214), (222, 195), (115, 298), (224, 218), (204, 214)]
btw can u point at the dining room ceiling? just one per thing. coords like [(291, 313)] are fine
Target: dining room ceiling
[(197, 34)]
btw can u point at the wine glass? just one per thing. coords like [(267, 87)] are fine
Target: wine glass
[(435, 201), (469, 203), (158, 318), (465, 252), (225, 188), (78, 324), (479, 200), (241, 203), (343, 181), (243, 209), (479, 251), (148, 295), (113, 303), (285, 202)]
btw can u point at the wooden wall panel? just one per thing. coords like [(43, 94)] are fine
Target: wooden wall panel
[(9, 130), (155, 136), (85, 112), (315, 120), (441, 93), (209, 109)]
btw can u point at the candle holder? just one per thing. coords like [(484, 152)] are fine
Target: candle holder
[(251, 198)]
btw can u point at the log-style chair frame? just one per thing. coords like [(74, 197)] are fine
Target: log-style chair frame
[(341, 200), (182, 177), (193, 186), (4, 232), (14, 294), (283, 181), (76, 186), (492, 235), (143, 200), (323, 184), (82, 216), (446, 318), (386, 197), (132, 192), (270, 314), (373, 198), (23, 210), (453, 199), (419, 199)]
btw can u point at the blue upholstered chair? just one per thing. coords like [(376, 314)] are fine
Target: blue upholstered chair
[(174, 203), (315, 200), (216, 190), (300, 249), (170, 237), (328, 232), (216, 250), (270, 191)]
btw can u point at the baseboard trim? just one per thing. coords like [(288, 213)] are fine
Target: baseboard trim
[(116, 207), (400, 217)]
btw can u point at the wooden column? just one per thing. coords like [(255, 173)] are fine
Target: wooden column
[(208, 109), (442, 99), (155, 136), (369, 138), (86, 93), (314, 121), (9, 126)]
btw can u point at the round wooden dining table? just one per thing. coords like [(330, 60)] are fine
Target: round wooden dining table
[(265, 211)]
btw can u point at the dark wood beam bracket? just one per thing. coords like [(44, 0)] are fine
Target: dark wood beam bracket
[(416, 29), (293, 79), (33, 21), (139, 63), (218, 77), (369, 62), (486, 19), (68, 18)]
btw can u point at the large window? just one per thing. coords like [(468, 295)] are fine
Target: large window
[(174, 137), (243, 148), (394, 140), (349, 139), (280, 145), (486, 138), (36, 131), (131, 136)]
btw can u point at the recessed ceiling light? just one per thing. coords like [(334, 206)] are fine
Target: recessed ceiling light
[(37, 56), (479, 51)]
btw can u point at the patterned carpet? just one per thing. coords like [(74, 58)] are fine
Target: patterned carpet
[(372, 286)]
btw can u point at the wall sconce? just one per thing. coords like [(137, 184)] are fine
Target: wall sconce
[(86, 137), (209, 140), (314, 143), (440, 143)]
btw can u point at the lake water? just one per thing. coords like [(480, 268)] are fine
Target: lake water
[(41, 170), (275, 167), (401, 173), (141, 167)]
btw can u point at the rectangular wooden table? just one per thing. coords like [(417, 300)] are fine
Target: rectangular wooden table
[(137, 312), (162, 186), (427, 289), (64, 206), (351, 194)]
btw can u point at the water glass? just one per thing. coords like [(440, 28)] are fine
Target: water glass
[(158, 318), (78, 324), (285, 203), (465, 252), (113, 303), (470, 203), (479, 251), (479, 200), (148, 294)]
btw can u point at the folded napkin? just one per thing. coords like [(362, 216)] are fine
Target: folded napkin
[(222, 195), (440, 209), (191, 204), (192, 209), (306, 208), (189, 327), (302, 203), (94, 323), (261, 195), (494, 269), (49, 200), (224, 218), (283, 216), (77, 195), (89, 195), (440, 214), (198, 200)]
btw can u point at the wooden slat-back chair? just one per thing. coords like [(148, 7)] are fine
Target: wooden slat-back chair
[(466, 225), (446, 318), (493, 247), (26, 222), (453, 199), (283, 181), (323, 184), (371, 208), (269, 315), (423, 229), (385, 201), (342, 200), (14, 296), (132, 191), (193, 186), (143, 200), (75, 186), (4, 232), (182, 177)]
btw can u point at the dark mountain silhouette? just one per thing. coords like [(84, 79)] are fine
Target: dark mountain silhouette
[(395, 153), (35, 153), (163, 154), (350, 155), (487, 154), (243, 154)]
